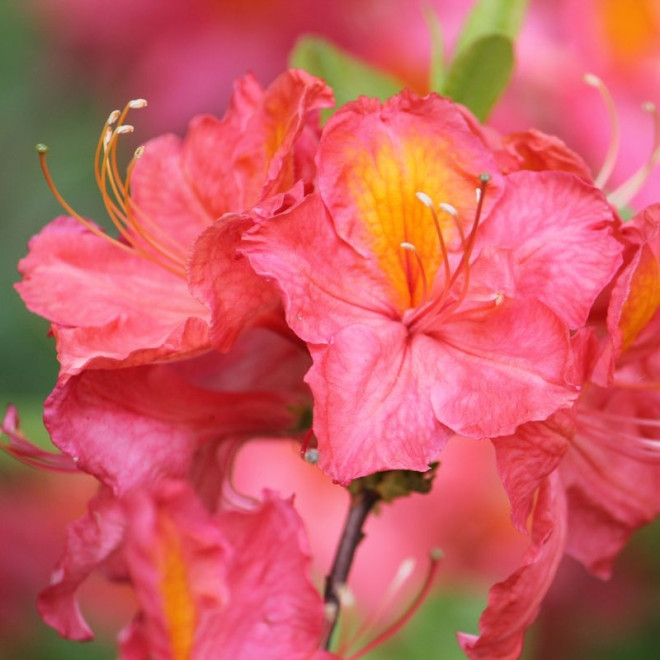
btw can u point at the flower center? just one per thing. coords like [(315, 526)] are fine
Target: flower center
[(455, 280)]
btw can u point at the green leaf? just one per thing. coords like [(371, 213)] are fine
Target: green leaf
[(480, 73), (503, 17), (348, 76)]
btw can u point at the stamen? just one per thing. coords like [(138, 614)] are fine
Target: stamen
[(464, 263), (112, 117), (597, 425), (402, 576), (141, 235), (615, 132), (428, 202), (627, 190), (409, 247), (434, 561), (42, 150), (484, 179)]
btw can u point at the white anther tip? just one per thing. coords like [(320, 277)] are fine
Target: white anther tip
[(136, 104), (139, 152), (112, 117), (649, 106), (126, 128), (424, 199), (408, 246), (592, 79), (448, 208)]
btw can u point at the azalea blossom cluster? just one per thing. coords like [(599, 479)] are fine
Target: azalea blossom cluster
[(372, 288)]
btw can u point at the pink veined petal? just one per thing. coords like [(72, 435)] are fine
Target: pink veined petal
[(527, 457), (501, 369), (177, 559), (612, 484), (371, 402), (221, 276), (540, 152), (547, 219), (210, 154), (90, 541), (225, 281), (325, 284), (235, 162), (275, 610), (107, 306), (232, 586), (513, 604), (128, 427)]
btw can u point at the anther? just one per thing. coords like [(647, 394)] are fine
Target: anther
[(113, 117), (139, 152), (122, 130), (107, 136), (42, 148), (424, 199), (448, 208), (136, 104)]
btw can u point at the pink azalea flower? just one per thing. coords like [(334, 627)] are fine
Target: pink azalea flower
[(600, 460), (232, 584), (423, 322), (131, 428), (128, 302)]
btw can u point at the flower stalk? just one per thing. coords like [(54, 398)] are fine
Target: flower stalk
[(361, 505)]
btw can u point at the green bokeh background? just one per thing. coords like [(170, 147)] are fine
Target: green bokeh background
[(40, 103)]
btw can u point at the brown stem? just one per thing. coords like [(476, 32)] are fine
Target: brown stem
[(360, 507)]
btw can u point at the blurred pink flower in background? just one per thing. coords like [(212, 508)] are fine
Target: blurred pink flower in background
[(561, 41), (183, 56)]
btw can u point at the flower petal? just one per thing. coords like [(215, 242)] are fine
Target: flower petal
[(128, 427), (371, 402), (108, 306), (548, 219), (514, 603)]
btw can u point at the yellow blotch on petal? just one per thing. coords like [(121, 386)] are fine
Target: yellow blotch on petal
[(178, 601), (383, 182), (643, 299)]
